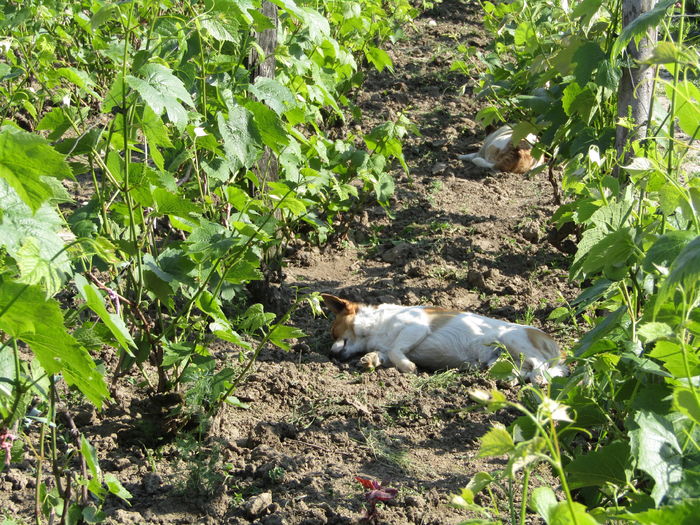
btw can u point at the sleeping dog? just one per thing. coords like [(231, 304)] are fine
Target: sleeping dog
[(499, 153), (434, 338)]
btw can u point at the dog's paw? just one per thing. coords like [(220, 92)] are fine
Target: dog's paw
[(371, 360), (407, 367)]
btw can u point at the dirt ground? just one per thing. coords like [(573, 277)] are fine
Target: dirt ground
[(461, 237)]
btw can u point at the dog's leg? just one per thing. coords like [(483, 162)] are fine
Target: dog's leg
[(409, 338), (468, 156), (482, 162), (372, 360)]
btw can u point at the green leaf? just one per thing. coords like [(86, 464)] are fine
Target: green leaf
[(543, 502), (103, 15), (255, 318), (587, 58), (610, 253), (586, 10), (168, 203), (653, 331), (684, 273), (209, 304), (570, 513), (93, 515), (685, 402), (95, 302), (281, 332), (608, 464), (56, 122), (31, 237), (656, 451), (612, 321), (90, 454), (637, 29), (276, 95), (80, 78), (27, 315), (175, 353), (242, 141), (24, 159), (384, 188), (162, 90), (116, 488), (681, 513), (224, 332), (379, 58), (688, 105), (156, 134), (666, 248), (234, 401), (496, 442), (525, 35), (269, 125)]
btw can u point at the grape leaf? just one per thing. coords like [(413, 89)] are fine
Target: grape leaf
[(24, 159), (26, 314), (162, 90), (31, 237), (656, 451)]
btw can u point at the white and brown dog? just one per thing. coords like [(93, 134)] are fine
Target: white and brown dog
[(499, 152), (433, 338)]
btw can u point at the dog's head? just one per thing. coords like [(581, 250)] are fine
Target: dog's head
[(346, 341)]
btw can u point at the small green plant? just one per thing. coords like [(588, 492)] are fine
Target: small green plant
[(384, 449), (439, 380)]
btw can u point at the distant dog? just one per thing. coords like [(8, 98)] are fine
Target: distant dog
[(499, 153), (433, 338)]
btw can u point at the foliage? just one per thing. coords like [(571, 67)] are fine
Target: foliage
[(187, 175), (631, 452)]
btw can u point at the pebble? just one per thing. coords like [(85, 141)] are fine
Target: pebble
[(257, 505)]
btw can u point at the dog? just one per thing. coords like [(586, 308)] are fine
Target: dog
[(434, 339), (498, 152)]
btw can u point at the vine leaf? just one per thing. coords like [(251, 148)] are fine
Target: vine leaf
[(27, 315), (162, 90), (31, 237), (95, 302), (638, 28), (656, 450), (24, 159), (242, 142), (608, 464), (684, 273)]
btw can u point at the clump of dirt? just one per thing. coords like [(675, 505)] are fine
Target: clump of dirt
[(460, 237)]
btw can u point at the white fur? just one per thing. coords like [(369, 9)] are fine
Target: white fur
[(402, 336), (495, 145)]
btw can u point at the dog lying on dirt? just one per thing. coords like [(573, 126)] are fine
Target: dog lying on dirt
[(499, 153), (433, 338)]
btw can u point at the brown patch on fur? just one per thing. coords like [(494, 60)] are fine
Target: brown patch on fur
[(516, 160), (439, 317), (344, 311), (342, 324), (541, 341)]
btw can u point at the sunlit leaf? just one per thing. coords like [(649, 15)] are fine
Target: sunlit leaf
[(27, 315)]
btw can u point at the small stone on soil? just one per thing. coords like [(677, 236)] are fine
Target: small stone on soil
[(257, 505)]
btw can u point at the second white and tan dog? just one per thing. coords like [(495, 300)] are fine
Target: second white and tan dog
[(499, 152), (433, 338)]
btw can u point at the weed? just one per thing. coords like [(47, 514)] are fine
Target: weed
[(384, 449), (437, 381), (528, 316)]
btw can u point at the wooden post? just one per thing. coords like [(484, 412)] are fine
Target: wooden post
[(635, 91), (267, 168)]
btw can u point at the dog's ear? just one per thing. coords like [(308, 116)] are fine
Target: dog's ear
[(335, 304)]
